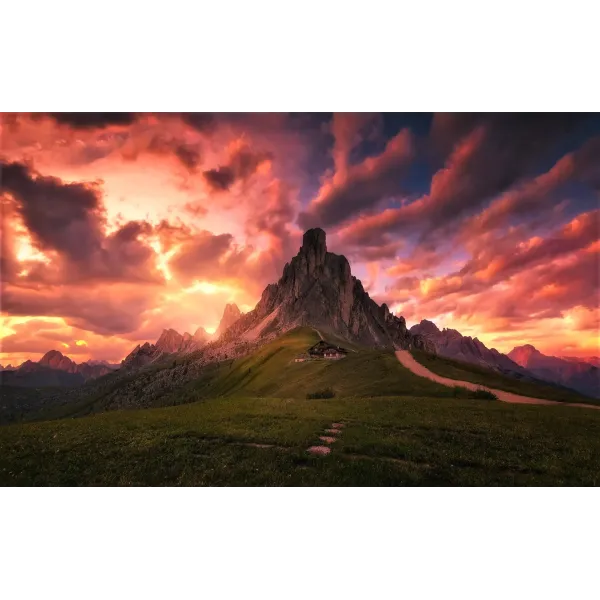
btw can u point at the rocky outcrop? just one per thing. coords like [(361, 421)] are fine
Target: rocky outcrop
[(230, 315), (201, 336), (170, 342), (577, 375), (140, 356), (318, 289)]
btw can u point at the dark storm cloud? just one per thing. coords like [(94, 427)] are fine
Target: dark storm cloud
[(188, 154), (488, 155), (84, 120), (528, 131), (363, 185), (203, 122), (220, 179), (242, 164), (67, 218), (190, 157)]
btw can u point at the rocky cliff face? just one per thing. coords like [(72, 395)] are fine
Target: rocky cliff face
[(318, 289), (453, 344), (230, 315), (170, 341), (140, 356), (578, 375)]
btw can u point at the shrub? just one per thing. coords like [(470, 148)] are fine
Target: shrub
[(460, 392), (482, 394), (479, 394), (319, 394)]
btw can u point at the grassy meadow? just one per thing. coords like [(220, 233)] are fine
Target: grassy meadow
[(262, 441), (249, 422)]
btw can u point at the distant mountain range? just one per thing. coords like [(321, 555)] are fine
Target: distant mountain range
[(452, 344), (574, 373), (54, 369), (316, 289), (523, 362)]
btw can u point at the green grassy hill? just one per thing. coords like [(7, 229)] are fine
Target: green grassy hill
[(272, 372), (462, 371), (248, 422)]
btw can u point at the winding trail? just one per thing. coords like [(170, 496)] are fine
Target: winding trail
[(407, 360)]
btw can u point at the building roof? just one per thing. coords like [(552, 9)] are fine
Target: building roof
[(322, 347)]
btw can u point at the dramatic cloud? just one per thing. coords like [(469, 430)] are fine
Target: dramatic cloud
[(242, 164), (116, 226), (69, 220), (361, 186), (93, 120), (489, 154)]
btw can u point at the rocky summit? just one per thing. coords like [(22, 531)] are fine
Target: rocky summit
[(170, 342), (230, 315), (317, 288)]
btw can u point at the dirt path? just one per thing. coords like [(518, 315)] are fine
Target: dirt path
[(406, 360)]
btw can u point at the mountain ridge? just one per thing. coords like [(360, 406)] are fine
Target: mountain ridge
[(452, 344), (578, 375)]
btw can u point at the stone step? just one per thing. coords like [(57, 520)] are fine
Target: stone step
[(327, 439)]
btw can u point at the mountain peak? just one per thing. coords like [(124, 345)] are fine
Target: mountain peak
[(51, 355), (314, 248), (315, 238), (425, 327), (230, 315), (200, 334), (317, 289), (169, 341), (57, 360)]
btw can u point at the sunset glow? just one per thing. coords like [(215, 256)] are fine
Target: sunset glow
[(115, 229)]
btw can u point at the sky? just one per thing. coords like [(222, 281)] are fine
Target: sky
[(116, 226)]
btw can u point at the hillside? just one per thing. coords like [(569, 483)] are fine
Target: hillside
[(267, 371), (247, 421), (271, 372), (464, 371), (386, 441)]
